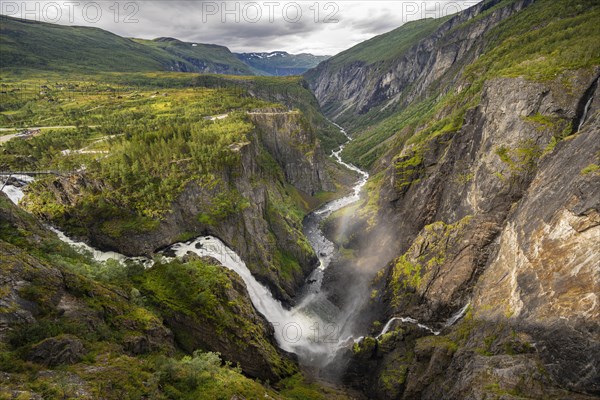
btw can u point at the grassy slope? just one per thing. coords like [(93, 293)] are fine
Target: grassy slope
[(40, 46), (207, 53), (539, 43), (388, 46)]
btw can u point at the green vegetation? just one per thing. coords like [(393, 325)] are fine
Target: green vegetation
[(564, 39), (425, 344), (521, 160), (387, 47), (408, 167), (29, 45), (298, 387), (426, 255), (154, 144), (110, 308), (591, 169)]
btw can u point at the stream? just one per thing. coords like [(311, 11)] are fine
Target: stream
[(314, 328)]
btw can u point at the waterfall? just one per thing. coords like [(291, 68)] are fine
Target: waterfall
[(586, 110), (15, 192), (458, 315), (409, 320), (310, 329)]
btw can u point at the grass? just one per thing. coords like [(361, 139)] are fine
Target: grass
[(563, 38), (386, 47)]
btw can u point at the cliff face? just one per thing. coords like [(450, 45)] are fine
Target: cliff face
[(345, 92), (494, 206), (280, 162), (468, 181), (519, 246), (52, 315), (291, 142)]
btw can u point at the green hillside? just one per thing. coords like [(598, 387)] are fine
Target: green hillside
[(29, 45), (199, 56), (385, 47), (564, 38)]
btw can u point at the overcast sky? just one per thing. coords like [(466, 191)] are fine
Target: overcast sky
[(318, 27)]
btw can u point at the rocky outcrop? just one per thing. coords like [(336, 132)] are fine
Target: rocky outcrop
[(283, 150), (236, 330), (500, 215), (56, 351), (289, 138)]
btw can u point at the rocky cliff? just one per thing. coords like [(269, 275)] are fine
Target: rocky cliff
[(358, 86), (280, 164), (66, 319), (486, 193)]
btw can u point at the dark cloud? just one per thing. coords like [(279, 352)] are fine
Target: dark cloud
[(243, 25)]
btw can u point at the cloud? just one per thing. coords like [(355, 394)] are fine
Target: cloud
[(319, 27)]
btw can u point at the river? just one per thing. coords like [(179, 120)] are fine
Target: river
[(315, 328), (311, 328)]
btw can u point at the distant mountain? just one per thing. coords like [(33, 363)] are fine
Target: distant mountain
[(38, 45), (199, 57), (281, 63)]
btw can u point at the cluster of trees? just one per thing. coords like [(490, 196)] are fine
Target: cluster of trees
[(145, 145)]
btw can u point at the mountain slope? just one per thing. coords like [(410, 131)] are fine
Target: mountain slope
[(483, 142), (42, 46), (281, 63), (198, 57)]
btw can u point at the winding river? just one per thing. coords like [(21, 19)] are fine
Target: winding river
[(313, 329), (310, 329)]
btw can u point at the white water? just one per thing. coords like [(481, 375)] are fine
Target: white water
[(458, 315), (295, 330), (311, 329), (451, 321), (409, 320), (586, 110), (99, 255), (355, 196), (15, 194)]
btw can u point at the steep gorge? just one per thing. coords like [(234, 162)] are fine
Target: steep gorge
[(470, 263), (484, 193), (280, 164)]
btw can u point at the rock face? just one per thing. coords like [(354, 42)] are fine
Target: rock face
[(353, 89), (56, 351), (516, 237), (456, 200), (290, 141), (498, 211), (546, 272), (282, 142)]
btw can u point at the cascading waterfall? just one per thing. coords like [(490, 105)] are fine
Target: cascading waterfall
[(458, 315), (14, 191), (449, 322), (309, 329), (586, 111), (409, 320)]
